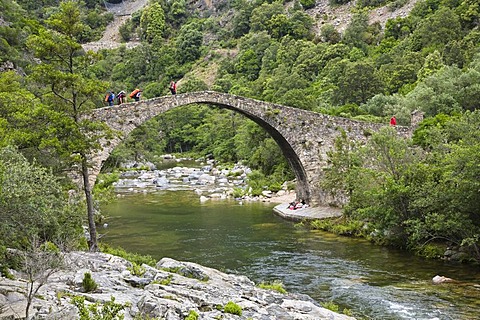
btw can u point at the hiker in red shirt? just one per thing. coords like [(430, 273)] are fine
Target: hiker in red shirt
[(393, 121), (173, 87)]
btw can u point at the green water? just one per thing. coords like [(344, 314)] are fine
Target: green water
[(374, 282)]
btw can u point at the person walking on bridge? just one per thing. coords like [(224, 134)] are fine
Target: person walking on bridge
[(393, 121), (135, 95), (110, 98), (173, 87), (121, 97)]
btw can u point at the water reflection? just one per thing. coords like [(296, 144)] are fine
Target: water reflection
[(374, 282)]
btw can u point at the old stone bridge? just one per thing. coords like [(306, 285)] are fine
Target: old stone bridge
[(303, 136)]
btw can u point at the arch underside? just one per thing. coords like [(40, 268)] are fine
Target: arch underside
[(302, 186)]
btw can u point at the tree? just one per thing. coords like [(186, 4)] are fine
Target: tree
[(189, 43), (383, 187), (177, 12), (34, 209), (17, 106), (261, 16), (469, 12), (301, 25), (241, 20), (437, 30), (329, 34), (68, 89), (433, 63), (248, 65), (447, 91), (357, 83), (343, 163), (39, 264), (307, 4), (356, 33), (152, 22), (446, 195)]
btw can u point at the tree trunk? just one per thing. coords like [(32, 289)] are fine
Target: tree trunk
[(93, 246)]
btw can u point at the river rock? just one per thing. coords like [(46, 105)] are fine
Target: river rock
[(161, 181), (441, 279), (206, 178), (169, 291)]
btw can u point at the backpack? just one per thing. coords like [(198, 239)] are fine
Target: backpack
[(134, 93), (106, 97)]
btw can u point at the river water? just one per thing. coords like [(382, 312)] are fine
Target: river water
[(373, 282)]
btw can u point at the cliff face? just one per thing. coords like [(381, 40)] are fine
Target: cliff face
[(171, 291)]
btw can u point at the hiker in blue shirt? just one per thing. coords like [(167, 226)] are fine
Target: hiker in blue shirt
[(110, 98)]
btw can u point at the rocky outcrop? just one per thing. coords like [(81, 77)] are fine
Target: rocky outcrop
[(169, 291)]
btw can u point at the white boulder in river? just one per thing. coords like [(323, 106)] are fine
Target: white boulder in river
[(170, 291)]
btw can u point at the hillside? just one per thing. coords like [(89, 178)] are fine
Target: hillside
[(322, 13)]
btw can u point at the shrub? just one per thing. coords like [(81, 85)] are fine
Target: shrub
[(233, 308), (106, 180), (132, 257), (430, 250), (330, 305), (275, 187), (136, 269), (192, 315), (275, 285), (238, 192), (109, 310), (307, 4), (165, 281), (49, 247), (88, 283)]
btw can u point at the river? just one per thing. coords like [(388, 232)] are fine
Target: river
[(372, 281)]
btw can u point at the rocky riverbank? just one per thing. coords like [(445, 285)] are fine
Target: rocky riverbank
[(207, 180), (172, 290)]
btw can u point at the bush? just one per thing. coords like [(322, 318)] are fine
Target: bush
[(430, 251), (132, 257), (192, 315), (275, 285), (275, 187), (307, 4), (233, 308), (88, 283), (330, 305), (49, 247), (109, 310), (106, 180), (137, 269), (238, 192), (36, 212)]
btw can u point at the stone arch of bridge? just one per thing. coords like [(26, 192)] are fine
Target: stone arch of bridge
[(304, 137), (289, 153), (126, 118)]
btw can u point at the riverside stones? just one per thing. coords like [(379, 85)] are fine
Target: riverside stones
[(169, 291)]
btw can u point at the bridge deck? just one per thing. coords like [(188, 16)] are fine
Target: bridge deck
[(310, 213)]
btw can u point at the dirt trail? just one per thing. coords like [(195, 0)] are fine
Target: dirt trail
[(111, 39)]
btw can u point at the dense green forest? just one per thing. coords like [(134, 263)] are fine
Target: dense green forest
[(420, 194)]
